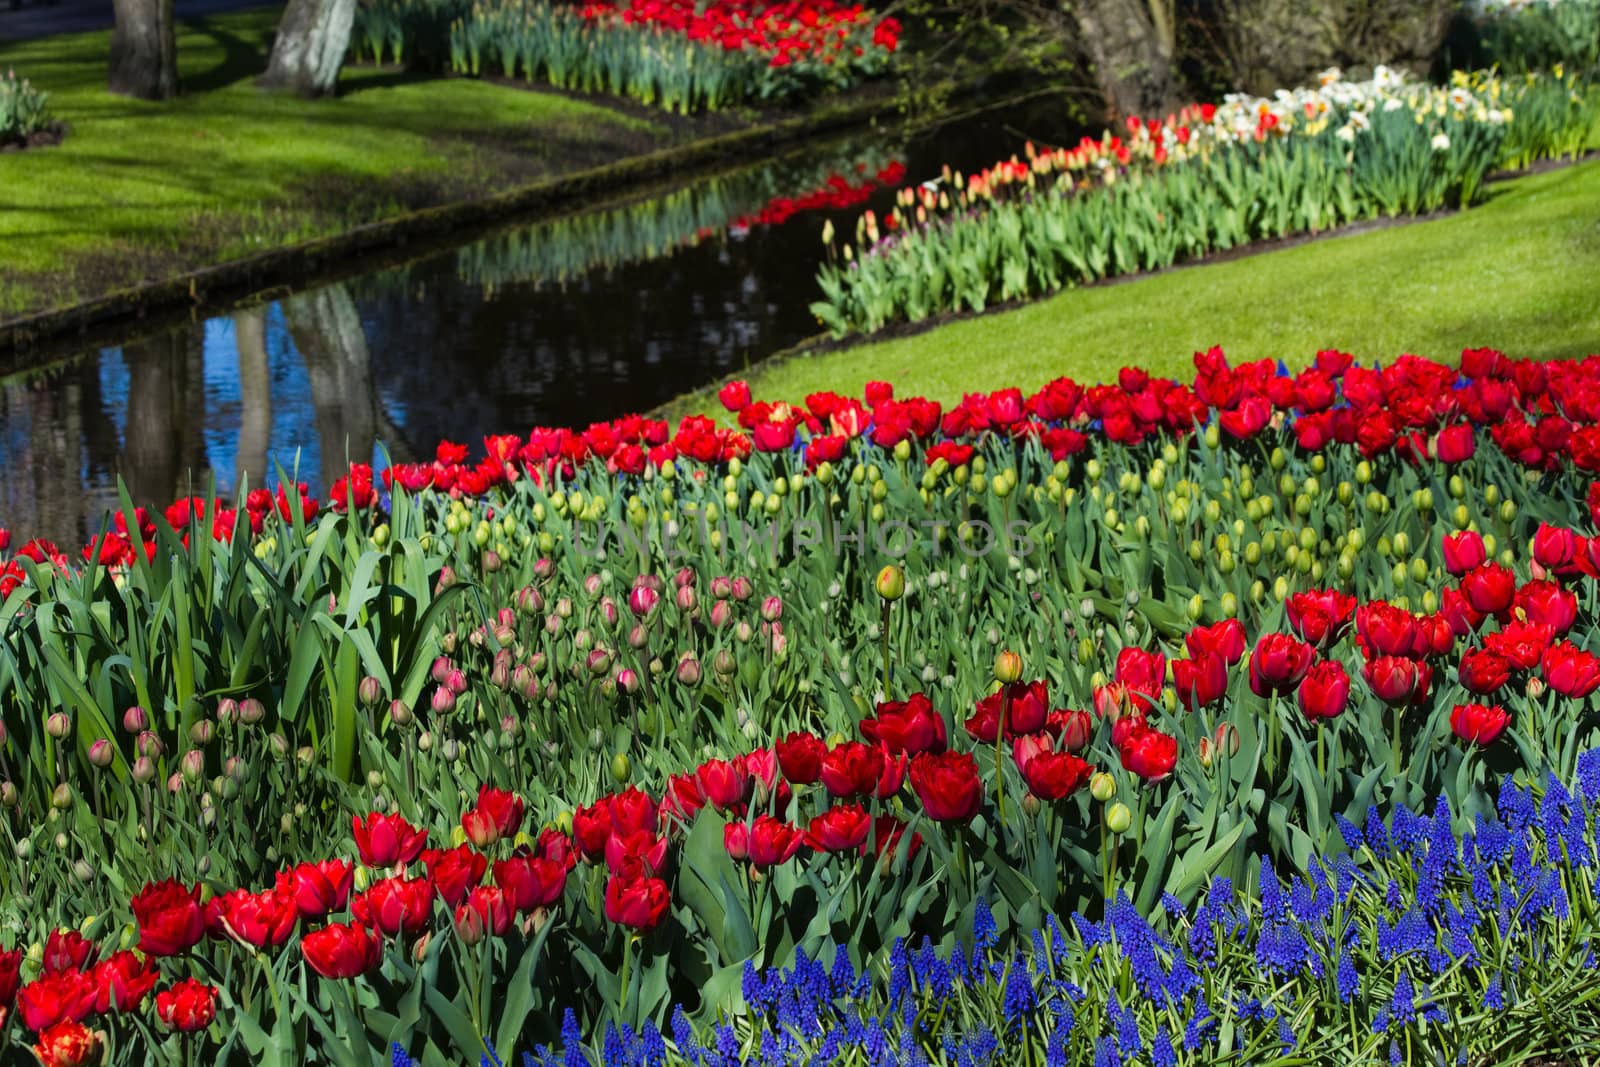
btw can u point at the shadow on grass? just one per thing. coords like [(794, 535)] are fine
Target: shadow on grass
[(242, 57)]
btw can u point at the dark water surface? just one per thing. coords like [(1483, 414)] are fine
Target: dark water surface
[(559, 322)]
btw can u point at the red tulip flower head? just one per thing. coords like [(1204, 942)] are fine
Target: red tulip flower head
[(1278, 664), (1479, 724), (169, 918), (387, 840), (947, 783), (188, 1006), (342, 950)]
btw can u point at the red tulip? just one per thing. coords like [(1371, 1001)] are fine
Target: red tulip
[(1385, 630), (1548, 604), (1150, 754), (66, 950), (68, 1044), (683, 799), (1455, 444), (725, 783), (1489, 588), (486, 911), (1521, 643), (1462, 616), (773, 841), (1555, 548), (1570, 671), (1072, 728), (1464, 552), (387, 840), (1225, 638), (1483, 670), (66, 996), (322, 887), (1050, 775), (454, 871), (852, 769), (1479, 724), (169, 917), (1142, 671), (498, 815), (1320, 616), (1026, 711), (187, 1006), (1325, 691), (735, 396), (10, 977), (947, 783), (1394, 679), (800, 757), (642, 847), (591, 829), (121, 982), (1434, 637), (1201, 681), (842, 828), (399, 907), (1277, 664), (530, 882), (907, 726), (638, 903), (736, 841), (264, 919), (342, 950)]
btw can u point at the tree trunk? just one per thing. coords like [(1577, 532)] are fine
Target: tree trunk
[(144, 50), (310, 45), (326, 328), (1132, 45)]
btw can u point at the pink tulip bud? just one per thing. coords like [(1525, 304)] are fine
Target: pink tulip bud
[(743, 632), (564, 607), (251, 711), (721, 588), (627, 680), (491, 561), (530, 601), (638, 637), (456, 682), (148, 744), (175, 783), (642, 601), (609, 613), (543, 568), (742, 589), (400, 713), (599, 661), (369, 691), (58, 725), (524, 681), (135, 720), (443, 701), (441, 667), (144, 769), (684, 578), (228, 710), (448, 642), (193, 764), (447, 578), (689, 670), (721, 614), (202, 732), (593, 584), (687, 600), (772, 609), (101, 753)]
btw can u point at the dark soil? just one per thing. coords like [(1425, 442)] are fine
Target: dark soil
[(48, 137)]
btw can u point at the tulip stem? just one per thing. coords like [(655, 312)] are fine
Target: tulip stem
[(1398, 711), (1322, 750), (622, 994), (883, 635)]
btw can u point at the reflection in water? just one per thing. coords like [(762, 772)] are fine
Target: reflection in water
[(560, 323)]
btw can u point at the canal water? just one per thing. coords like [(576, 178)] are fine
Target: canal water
[(559, 322)]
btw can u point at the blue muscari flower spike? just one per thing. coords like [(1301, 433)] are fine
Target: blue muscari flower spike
[(1286, 1036), (1395, 1058), (985, 935), (398, 1057), (1105, 1053), (572, 1041), (1346, 979), (683, 1035), (614, 1049), (1376, 834), (1353, 838), (1020, 1001), (1589, 775), (1402, 1005), (1494, 997), (1172, 905), (1162, 1054), (652, 1049)]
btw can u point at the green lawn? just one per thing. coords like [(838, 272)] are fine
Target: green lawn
[(1520, 273), (141, 189)]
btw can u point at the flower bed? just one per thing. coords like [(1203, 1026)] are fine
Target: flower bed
[(571, 726), (24, 114), (676, 54), (1206, 179)]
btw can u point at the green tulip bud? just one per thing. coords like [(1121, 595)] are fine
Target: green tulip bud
[(1118, 818), (1102, 786)]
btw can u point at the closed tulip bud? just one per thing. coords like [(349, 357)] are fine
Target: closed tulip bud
[(443, 701), (721, 614), (101, 753), (144, 769), (228, 710), (1007, 667), (1203, 752), (251, 711), (448, 642), (543, 568), (599, 662), (771, 609), (743, 632), (370, 691), (638, 637), (456, 682), (8, 794), (621, 768), (1102, 786), (686, 598), (135, 719), (564, 608), (742, 589), (628, 680), (61, 797), (491, 561), (202, 732), (193, 764), (58, 725), (441, 668), (723, 662), (689, 670), (450, 750), (1118, 818)]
